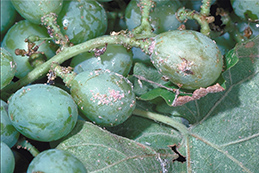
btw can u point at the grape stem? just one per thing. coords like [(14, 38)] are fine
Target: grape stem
[(50, 22), (183, 15), (163, 119), (145, 7), (205, 7), (23, 143), (125, 39)]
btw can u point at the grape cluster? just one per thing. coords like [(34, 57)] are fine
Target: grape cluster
[(67, 60)]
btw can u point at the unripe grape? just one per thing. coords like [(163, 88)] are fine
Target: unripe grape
[(33, 10), (8, 67), (82, 20), (9, 15), (116, 58), (188, 58), (104, 97), (42, 112), (9, 134), (58, 161), (7, 159), (14, 39)]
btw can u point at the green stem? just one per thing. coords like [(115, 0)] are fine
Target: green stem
[(163, 119), (186, 14), (50, 22), (145, 7), (69, 52), (64, 73), (205, 8), (22, 142)]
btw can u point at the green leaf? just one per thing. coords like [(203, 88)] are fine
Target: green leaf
[(147, 72), (148, 132), (230, 59), (102, 151), (168, 96), (226, 137)]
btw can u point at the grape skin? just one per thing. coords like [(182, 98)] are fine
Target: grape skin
[(8, 67), (58, 161), (82, 20), (188, 58), (9, 134), (7, 159), (104, 97), (116, 58), (14, 39), (42, 112), (34, 10)]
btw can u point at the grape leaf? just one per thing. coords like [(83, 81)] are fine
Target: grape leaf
[(148, 132), (102, 151), (226, 139), (148, 72)]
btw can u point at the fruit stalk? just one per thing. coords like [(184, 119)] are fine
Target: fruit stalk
[(184, 14), (64, 73), (50, 22), (205, 8), (145, 6), (69, 52), (163, 119), (23, 143)]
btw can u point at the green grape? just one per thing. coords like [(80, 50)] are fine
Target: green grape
[(8, 67), (9, 15), (7, 159), (33, 10), (58, 161), (188, 58), (9, 134), (14, 39), (116, 58), (82, 20), (246, 9), (42, 112), (104, 97), (162, 16)]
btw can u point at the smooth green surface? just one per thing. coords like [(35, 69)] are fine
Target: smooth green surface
[(116, 58), (42, 112), (104, 97), (8, 14), (9, 134), (82, 20), (58, 161), (8, 67), (102, 151), (188, 58), (14, 39), (33, 10), (7, 159)]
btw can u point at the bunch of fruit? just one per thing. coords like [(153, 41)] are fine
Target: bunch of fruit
[(62, 61)]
